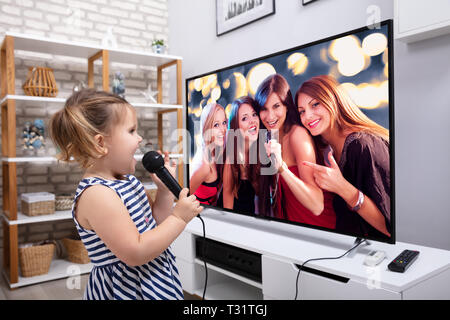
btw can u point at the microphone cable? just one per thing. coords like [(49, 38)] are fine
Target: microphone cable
[(317, 259), (204, 255)]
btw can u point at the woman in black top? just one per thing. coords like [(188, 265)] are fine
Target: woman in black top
[(360, 175)]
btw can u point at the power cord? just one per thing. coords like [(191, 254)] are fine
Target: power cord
[(204, 255), (317, 259)]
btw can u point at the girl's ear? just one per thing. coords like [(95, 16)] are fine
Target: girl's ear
[(101, 145)]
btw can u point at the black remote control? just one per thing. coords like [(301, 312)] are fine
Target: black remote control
[(403, 261)]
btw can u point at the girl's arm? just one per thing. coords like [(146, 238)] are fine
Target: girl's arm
[(228, 197), (105, 213), (304, 187)]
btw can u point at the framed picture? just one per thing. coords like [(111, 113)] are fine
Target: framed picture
[(233, 14), (305, 2)]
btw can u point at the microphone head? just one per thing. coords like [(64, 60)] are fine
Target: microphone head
[(152, 161)]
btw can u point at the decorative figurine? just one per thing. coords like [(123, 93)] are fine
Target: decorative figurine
[(119, 84), (33, 135), (150, 94), (80, 85)]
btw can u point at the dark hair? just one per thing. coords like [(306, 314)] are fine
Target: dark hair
[(277, 84), (259, 182)]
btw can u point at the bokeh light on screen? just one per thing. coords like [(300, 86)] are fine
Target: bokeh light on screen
[(374, 44), (257, 74), (297, 63), (358, 61)]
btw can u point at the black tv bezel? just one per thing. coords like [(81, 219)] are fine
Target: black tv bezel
[(389, 24)]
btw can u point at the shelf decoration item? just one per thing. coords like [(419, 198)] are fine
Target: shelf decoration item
[(38, 203), (80, 85), (119, 84), (33, 135), (150, 94), (35, 259), (63, 202), (76, 252), (40, 82), (158, 46)]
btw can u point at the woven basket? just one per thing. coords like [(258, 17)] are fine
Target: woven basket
[(76, 251), (63, 202), (40, 82), (38, 208), (36, 260)]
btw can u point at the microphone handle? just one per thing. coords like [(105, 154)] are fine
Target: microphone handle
[(171, 183)]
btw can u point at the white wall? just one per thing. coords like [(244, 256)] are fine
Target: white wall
[(422, 91)]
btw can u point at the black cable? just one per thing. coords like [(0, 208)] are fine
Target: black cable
[(317, 259), (204, 255)]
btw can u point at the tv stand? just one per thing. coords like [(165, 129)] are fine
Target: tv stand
[(283, 248)]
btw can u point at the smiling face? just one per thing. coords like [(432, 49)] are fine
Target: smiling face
[(313, 114), (219, 127), (273, 113), (248, 122)]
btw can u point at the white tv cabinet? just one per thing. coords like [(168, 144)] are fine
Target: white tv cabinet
[(282, 247)]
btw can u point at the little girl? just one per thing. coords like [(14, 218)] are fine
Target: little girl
[(127, 241)]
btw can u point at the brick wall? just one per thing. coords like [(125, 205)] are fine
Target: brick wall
[(134, 24)]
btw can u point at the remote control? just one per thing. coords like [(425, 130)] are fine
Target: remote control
[(403, 261)]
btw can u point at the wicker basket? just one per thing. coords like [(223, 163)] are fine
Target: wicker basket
[(39, 203), (63, 202), (76, 251), (36, 259), (40, 82)]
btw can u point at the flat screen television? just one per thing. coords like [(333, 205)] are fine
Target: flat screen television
[(303, 136)]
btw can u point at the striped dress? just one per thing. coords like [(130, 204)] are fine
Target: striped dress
[(112, 279)]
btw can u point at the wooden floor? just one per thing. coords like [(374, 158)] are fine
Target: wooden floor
[(50, 290)]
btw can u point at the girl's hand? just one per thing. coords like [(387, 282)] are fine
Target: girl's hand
[(170, 166), (274, 147), (187, 207), (328, 178)]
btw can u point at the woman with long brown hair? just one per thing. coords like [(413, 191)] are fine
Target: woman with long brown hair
[(242, 182), (298, 197), (358, 171)]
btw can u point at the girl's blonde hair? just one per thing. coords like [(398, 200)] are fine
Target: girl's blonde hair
[(86, 114), (344, 112)]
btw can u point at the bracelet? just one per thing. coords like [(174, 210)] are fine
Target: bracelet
[(359, 202)]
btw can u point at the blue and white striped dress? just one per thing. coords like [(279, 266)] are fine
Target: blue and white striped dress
[(111, 278)]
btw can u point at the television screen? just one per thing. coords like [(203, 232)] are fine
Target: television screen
[(303, 136)]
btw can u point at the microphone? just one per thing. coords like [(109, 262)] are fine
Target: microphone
[(153, 162)]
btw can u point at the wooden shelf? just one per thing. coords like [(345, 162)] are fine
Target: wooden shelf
[(59, 269), (24, 98), (24, 219), (85, 50), (9, 101)]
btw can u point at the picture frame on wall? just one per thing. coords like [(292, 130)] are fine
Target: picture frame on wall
[(233, 14)]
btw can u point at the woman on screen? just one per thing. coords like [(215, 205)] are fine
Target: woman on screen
[(241, 179), (358, 170), (205, 181), (299, 199)]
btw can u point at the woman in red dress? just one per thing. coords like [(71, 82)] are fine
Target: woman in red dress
[(298, 197), (205, 181)]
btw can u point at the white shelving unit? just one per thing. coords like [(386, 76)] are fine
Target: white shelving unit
[(417, 20), (9, 101)]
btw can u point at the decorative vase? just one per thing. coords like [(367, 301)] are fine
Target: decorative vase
[(40, 82), (157, 48)]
